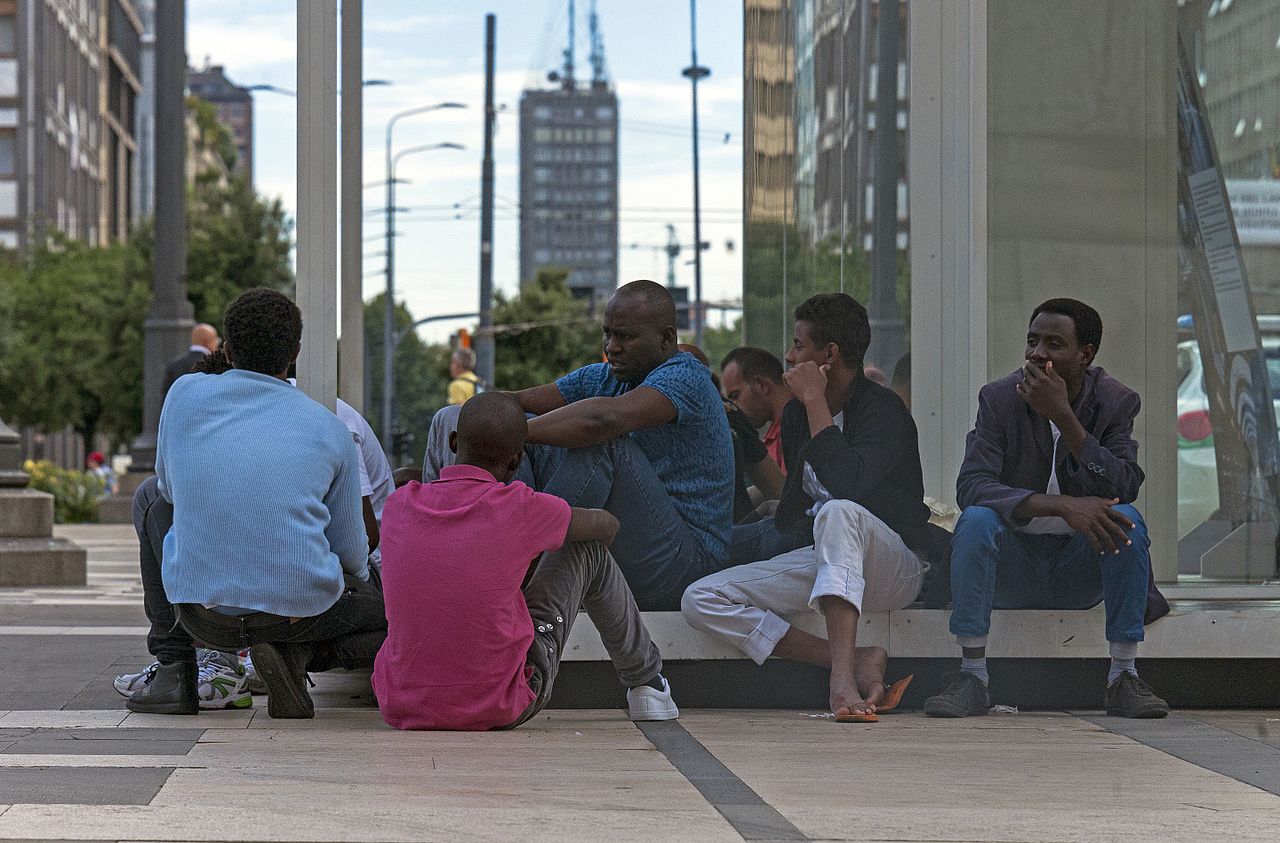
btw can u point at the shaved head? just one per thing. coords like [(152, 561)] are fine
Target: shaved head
[(205, 335), (491, 430), (650, 299)]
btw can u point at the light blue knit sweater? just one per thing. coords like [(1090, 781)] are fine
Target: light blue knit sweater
[(265, 486)]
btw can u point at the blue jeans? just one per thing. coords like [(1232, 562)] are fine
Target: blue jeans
[(658, 553), (992, 564), (761, 540)]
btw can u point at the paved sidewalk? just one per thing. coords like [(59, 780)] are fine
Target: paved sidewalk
[(75, 765)]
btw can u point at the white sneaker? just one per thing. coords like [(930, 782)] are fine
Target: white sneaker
[(127, 683), (221, 682), (645, 703), (254, 682)]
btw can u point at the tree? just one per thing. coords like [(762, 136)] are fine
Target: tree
[(717, 342), (421, 376), (543, 332), (71, 326), (71, 315)]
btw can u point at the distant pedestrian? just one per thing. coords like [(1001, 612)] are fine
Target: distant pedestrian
[(204, 341), (466, 383), (100, 468)]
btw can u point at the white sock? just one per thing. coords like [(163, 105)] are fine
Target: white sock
[(1123, 654), (978, 667)]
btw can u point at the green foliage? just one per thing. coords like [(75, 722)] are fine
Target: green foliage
[(549, 333), (75, 493), (421, 376), (717, 342), (809, 270), (212, 133), (73, 314)]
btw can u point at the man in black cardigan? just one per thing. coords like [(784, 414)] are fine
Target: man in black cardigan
[(854, 488)]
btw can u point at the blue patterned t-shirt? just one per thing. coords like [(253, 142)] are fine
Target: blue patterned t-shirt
[(692, 455)]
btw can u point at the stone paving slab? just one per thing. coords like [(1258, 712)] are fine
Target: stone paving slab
[(79, 786), (1039, 776)]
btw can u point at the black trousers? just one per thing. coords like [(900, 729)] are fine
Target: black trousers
[(348, 634)]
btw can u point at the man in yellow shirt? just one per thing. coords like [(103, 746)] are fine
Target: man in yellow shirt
[(464, 383)]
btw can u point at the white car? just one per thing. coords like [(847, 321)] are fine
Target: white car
[(1197, 460)]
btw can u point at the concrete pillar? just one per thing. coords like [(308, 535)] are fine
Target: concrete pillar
[(351, 350), (317, 221), (29, 555), (167, 329)]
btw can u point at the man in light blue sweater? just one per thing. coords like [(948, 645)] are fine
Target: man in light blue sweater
[(267, 548)]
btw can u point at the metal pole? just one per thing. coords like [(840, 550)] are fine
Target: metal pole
[(888, 331), (317, 219), (351, 350), (693, 73), (388, 304), (484, 341), (167, 329), (388, 313)]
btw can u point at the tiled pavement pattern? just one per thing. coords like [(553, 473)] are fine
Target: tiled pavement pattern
[(75, 765)]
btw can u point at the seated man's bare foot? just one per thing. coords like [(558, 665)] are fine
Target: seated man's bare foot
[(849, 701), (868, 673)]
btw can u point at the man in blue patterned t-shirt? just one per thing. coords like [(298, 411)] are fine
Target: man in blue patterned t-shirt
[(644, 436)]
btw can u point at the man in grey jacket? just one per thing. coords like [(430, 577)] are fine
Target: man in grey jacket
[(1047, 485)]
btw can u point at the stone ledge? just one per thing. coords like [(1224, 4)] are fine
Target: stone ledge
[(1192, 630), (25, 513), (28, 562)]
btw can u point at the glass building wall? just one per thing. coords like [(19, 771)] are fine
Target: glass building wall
[(811, 154)]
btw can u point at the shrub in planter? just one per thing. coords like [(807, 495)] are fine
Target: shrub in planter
[(75, 493)]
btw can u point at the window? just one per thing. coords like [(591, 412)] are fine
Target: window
[(8, 35), (8, 152), (542, 112)]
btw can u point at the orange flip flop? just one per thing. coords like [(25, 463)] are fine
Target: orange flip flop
[(893, 694), (850, 717)]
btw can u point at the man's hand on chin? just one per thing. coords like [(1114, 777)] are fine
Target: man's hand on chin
[(1044, 391), (808, 381)]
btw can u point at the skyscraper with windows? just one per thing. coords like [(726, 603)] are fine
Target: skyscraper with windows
[(569, 177), (68, 90)]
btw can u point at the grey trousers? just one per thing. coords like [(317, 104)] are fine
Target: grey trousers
[(583, 574)]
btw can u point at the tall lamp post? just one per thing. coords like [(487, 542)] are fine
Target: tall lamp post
[(693, 73), (389, 312)]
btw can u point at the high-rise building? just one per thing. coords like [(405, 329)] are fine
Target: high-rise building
[(569, 177), (235, 109), (811, 74), (68, 86)]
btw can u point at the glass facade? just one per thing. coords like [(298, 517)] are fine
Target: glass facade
[(811, 159), (1126, 154)]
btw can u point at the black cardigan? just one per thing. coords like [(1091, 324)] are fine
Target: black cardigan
[(875, 462)]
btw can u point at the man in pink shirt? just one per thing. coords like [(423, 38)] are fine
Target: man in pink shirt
[(467, 647)]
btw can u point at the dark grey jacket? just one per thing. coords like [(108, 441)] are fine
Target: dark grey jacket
[(1008, 453)]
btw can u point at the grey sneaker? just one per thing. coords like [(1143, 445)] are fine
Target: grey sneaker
[(1129, 696), (963, 696)]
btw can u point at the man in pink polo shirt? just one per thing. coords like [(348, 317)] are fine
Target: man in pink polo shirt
[(467, 647)]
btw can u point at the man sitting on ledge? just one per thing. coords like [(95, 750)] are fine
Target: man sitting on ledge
[(854, 487), (643, 436), (461, 649), (1049, 477), (267, 548)]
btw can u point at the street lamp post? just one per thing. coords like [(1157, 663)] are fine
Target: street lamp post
[(693, 73), (388, 314)]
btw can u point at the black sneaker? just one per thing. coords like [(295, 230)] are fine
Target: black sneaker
[(963, 696), (172, 690), (283, 668), (1129, 696)]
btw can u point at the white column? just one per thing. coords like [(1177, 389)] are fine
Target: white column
[(351, 352), (948, 164), (317, 222)]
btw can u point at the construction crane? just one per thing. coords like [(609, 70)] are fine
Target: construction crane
[(672, 249)]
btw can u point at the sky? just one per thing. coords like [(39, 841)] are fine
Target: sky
[(433, 51)]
